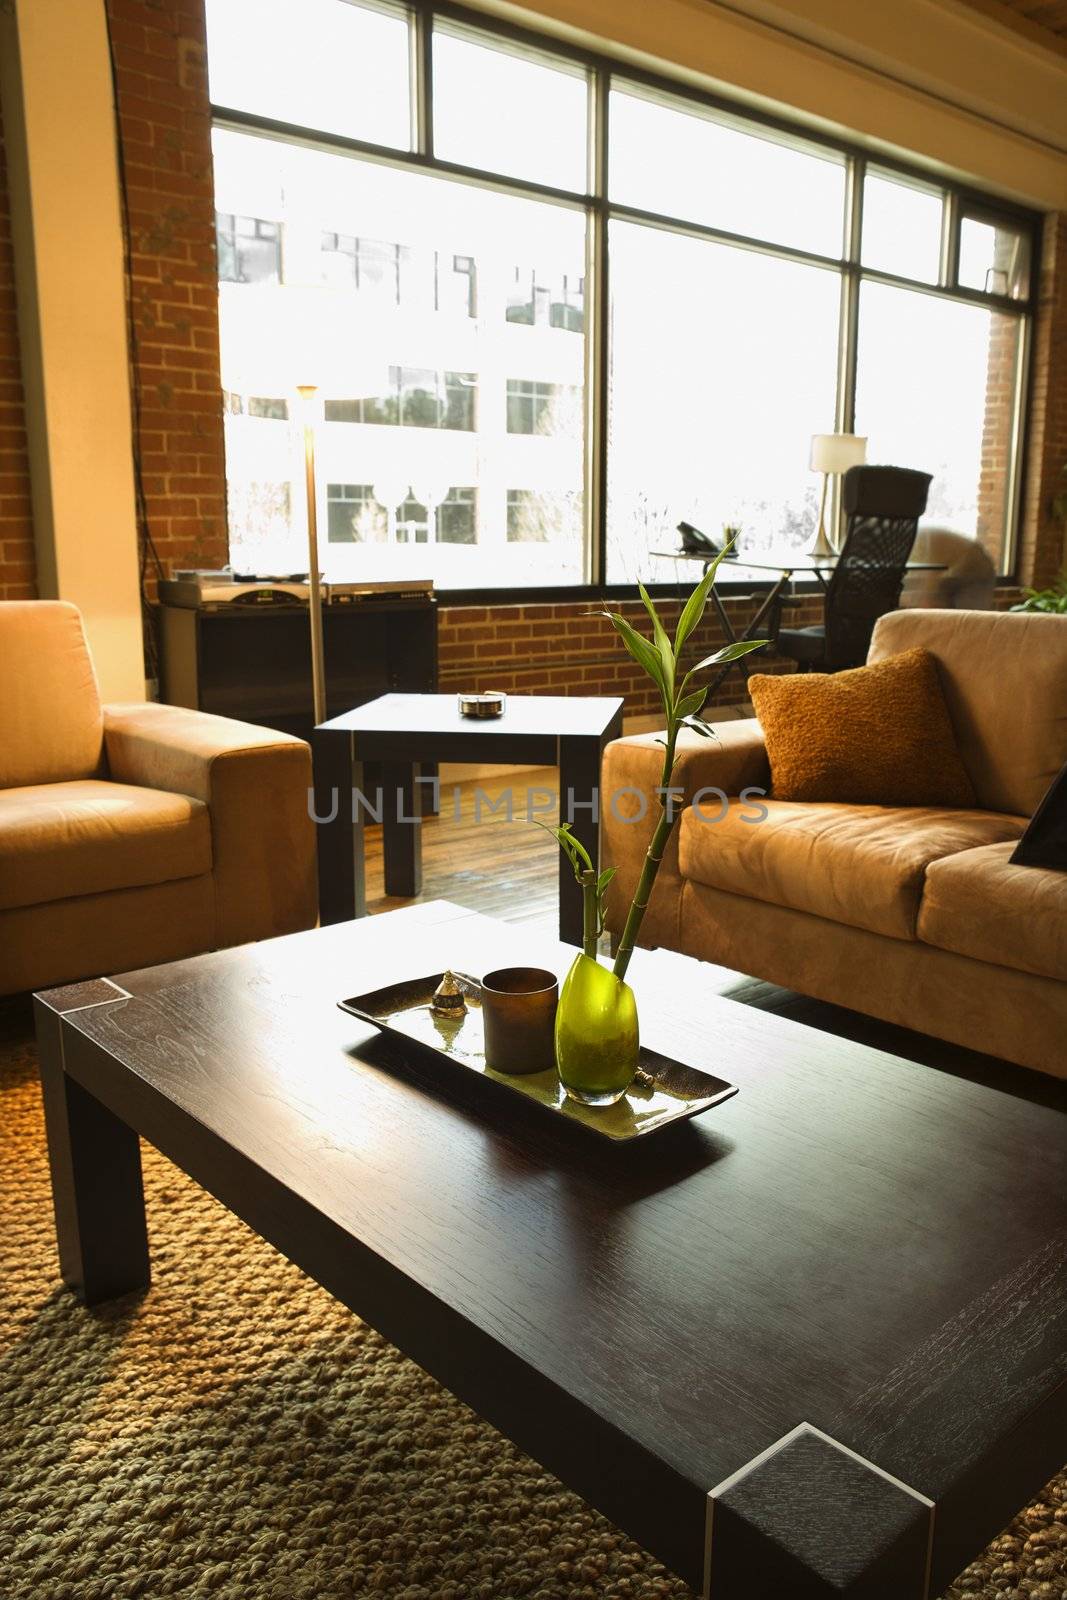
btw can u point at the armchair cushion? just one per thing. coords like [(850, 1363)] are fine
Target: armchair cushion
[(51, 729), (61, 840), (860, 865), (255, 784)]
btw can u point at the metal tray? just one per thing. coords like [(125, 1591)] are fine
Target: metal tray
[(662, 1093)]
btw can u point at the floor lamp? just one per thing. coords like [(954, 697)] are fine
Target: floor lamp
[(833, 453), (307, 393)]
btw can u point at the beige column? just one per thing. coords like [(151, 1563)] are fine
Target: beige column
[(55, 84)]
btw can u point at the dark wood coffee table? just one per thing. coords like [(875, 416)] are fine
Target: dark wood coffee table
[(405, 731), (816, 1338)]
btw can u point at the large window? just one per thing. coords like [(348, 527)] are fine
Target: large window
[(938, 389), (713, 387), (552, 307)]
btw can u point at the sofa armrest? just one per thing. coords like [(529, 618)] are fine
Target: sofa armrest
[(736, 759), (629, 806), (255, 783)]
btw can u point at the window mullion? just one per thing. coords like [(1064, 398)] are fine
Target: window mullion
[(950, 240), (421, 37), (597, 333), (848, 326)]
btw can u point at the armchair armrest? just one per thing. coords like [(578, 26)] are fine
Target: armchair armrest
[(629, 807), (255, 783)]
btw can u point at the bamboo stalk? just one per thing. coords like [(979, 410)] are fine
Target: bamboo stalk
[(590, 914), (650, 867)]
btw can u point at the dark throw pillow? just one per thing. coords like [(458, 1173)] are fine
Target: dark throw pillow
[(1044, 844)]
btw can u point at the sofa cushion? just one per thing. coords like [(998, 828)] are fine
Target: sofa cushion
[(978, 904), (59, 840), (877, 735), (51, 725), (1004, 676), (860, 865)]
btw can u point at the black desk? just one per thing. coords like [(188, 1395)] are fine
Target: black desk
[(403, 731), (254, 662)]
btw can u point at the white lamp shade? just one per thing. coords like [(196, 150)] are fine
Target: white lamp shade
[(836, 452)]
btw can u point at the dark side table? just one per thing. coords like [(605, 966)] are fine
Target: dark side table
[(403, 731)]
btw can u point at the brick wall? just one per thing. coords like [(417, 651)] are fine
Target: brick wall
[(161, 68), (997, 431), (569, 648), (17, 555)]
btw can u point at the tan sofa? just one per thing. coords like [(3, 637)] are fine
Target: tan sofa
[(134, 834), (912, 915)]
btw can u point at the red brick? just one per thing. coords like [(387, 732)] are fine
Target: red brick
[(18, 565)]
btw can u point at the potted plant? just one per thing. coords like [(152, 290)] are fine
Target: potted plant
[(1053, 599), (596, 1022)]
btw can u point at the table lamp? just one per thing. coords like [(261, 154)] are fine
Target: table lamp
[(833, 453)]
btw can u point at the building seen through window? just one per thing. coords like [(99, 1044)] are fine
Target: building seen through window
[(249, 249), (535, 300), (539, 407), (357, 516), (396, 301)]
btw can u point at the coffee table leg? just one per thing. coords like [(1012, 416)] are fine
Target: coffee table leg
[(402, 830), (97, 1191)]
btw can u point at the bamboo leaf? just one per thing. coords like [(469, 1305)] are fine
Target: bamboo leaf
[(572, 848), (690, 703), (704, 729), (663, 644), (605, 878), (693, 610), (643, 653), (568, 840), (729, 652)]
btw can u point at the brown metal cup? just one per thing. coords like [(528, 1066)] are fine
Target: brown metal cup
[(519, 1013)]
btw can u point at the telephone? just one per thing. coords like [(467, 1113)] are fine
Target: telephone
[(695, 543)]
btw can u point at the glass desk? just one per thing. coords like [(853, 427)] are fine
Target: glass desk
[(786, 565)]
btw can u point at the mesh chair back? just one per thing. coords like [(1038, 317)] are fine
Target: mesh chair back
[(882, 509)]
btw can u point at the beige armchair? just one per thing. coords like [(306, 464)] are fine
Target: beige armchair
[(131, 835)]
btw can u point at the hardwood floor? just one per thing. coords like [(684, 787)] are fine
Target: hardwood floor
[(476, 857)]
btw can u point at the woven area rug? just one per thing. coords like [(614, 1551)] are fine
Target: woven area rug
[(237, 1435)]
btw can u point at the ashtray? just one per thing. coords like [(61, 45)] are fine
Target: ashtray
[(490, 704)]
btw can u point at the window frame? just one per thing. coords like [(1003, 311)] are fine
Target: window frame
[(603, 73)]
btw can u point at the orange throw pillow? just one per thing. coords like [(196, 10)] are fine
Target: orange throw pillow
[(877, 735)]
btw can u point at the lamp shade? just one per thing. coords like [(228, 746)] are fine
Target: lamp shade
[(836, 452)]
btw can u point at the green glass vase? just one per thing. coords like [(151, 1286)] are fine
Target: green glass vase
[(596, 1034)]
